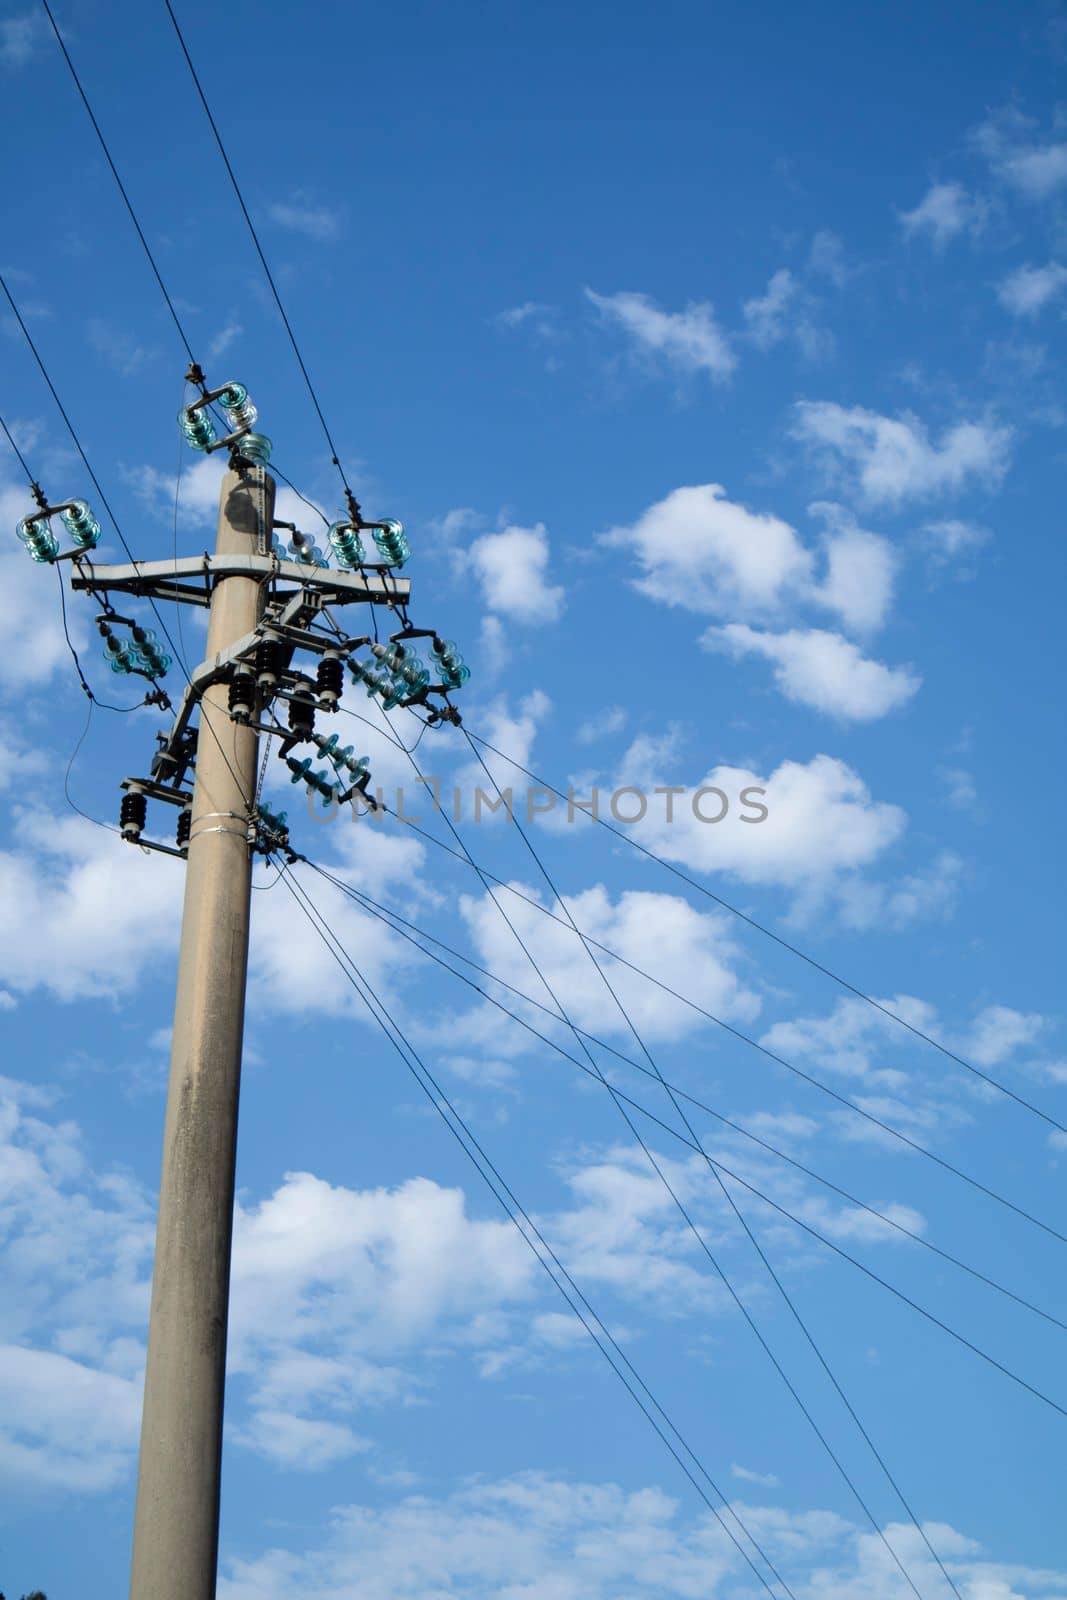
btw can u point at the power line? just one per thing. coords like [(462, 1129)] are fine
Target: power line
[(390, 918), (22, 459), (121, 186), (259, 248), (793, 949), (512, 1208), (713, 1168), (681, 1207), (728, 1027), (693, 1143)]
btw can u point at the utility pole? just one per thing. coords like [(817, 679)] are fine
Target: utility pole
[(269, 608), (176, 1523)]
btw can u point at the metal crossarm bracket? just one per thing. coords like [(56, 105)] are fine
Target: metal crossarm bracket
[(191, 579)]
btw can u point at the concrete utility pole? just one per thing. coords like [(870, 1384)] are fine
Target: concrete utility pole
[(176, 1527)]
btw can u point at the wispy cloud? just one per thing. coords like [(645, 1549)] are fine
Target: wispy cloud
[(688, 341), (300, 216), (19, 37), (945, 211), (1028, 290)]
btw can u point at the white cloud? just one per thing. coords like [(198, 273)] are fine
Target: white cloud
[(662, 934), (688, 341), (601, 726), (223, 340), (949, 539), (512, 567), (766, 313), (944, 212), (893, 459), (784, 311), (823, 670), (998, 1032), (64, 1425), (860, 570), (745, 1474), (1035, 168), (1028, 290), (306, 1444), (699, 550), (826, 257), (555, 1538), (299, 216), (823, 825), (707, 553), (19, 37)]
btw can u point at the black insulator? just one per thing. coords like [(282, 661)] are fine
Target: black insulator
[(302, 707), (133, 814), (242, 695), (268, 660), (329, 680), (185, 823)]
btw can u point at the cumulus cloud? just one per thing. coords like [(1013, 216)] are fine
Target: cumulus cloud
[(1028, 290), (512, 568), (945, 211), (822, 825), (702, 551), (822, 670), (535, 1534), (686, 341), (894, 459), (660, 933), (699, 550)]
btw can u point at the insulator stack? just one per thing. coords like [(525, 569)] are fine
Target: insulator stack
[(302, 708), (412, 672), (197, 427), (118, 653), (240, 412), (329, 681), (255, 448), (318, 782), (184, 828), (81, 525), (301, 548), (133, 814), (342, 756), (347, 545), (38, 538), (277, 548), (269, 664), (453, 669), (148, 654), (392, 542), (242, 695)]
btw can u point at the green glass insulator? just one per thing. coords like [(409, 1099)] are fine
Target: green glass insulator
[(38, 538), (256, 448), (81, 525), (197, 427)]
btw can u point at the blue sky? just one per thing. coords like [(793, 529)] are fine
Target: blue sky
[(710, 358)]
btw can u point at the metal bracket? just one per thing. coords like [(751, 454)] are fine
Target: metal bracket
[(192, 578)]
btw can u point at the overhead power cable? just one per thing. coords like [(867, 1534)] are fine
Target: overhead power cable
[(542, 1250), (407, 930), (335, 458), (835, 977), (694, 1145), (682, 1209), (728, 1027), (121, 186), (712, 1166)]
